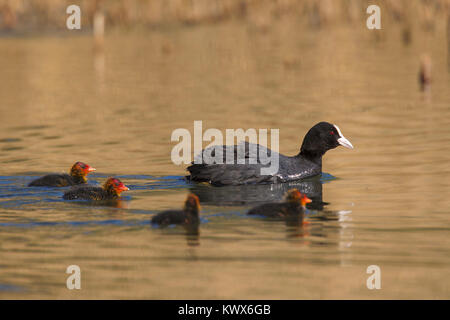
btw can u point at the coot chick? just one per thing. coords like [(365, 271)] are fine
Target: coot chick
[(187, 216), (77, 175), (293, 206), (307, 163), (112, 189)]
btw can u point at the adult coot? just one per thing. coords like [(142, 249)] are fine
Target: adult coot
[(112, 189), (77, 175), (187, 216), (293, 207), (319, 139)]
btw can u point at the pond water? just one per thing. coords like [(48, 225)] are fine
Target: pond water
[(115, 109)]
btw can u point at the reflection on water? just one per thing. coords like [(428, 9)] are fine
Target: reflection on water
[(384, 203), (256, 194), (116, 203)]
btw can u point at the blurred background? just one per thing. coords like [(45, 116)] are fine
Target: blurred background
[(111, 93), (23, 15)]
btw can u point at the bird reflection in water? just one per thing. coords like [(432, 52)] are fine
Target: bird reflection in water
[(113, 203), (246, 195), (319, 229), (296, 228), (192, 234)]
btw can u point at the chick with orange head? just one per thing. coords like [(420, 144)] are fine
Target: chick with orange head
[(293, 206), (110, 190), (77, 175), (187, 216)]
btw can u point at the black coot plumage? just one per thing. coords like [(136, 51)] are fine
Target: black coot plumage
[(292, 207), (111, 190), (78, 174), (187, 216), (319, 139)]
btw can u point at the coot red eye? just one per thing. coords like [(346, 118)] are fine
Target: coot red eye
[(331, 132)]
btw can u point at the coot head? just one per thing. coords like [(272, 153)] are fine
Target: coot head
[(115, 186), (81, 170), (321, 138), (192, 204), (296, 196)]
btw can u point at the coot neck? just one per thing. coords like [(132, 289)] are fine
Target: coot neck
[(191, 213), (111, 192), (191, 219), (312, 149), (314, 156), (78, 179), (294, 208)]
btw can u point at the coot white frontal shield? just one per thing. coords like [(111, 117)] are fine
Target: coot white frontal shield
[(343, 140)]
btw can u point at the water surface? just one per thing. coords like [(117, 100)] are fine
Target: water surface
[(388, 202)]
